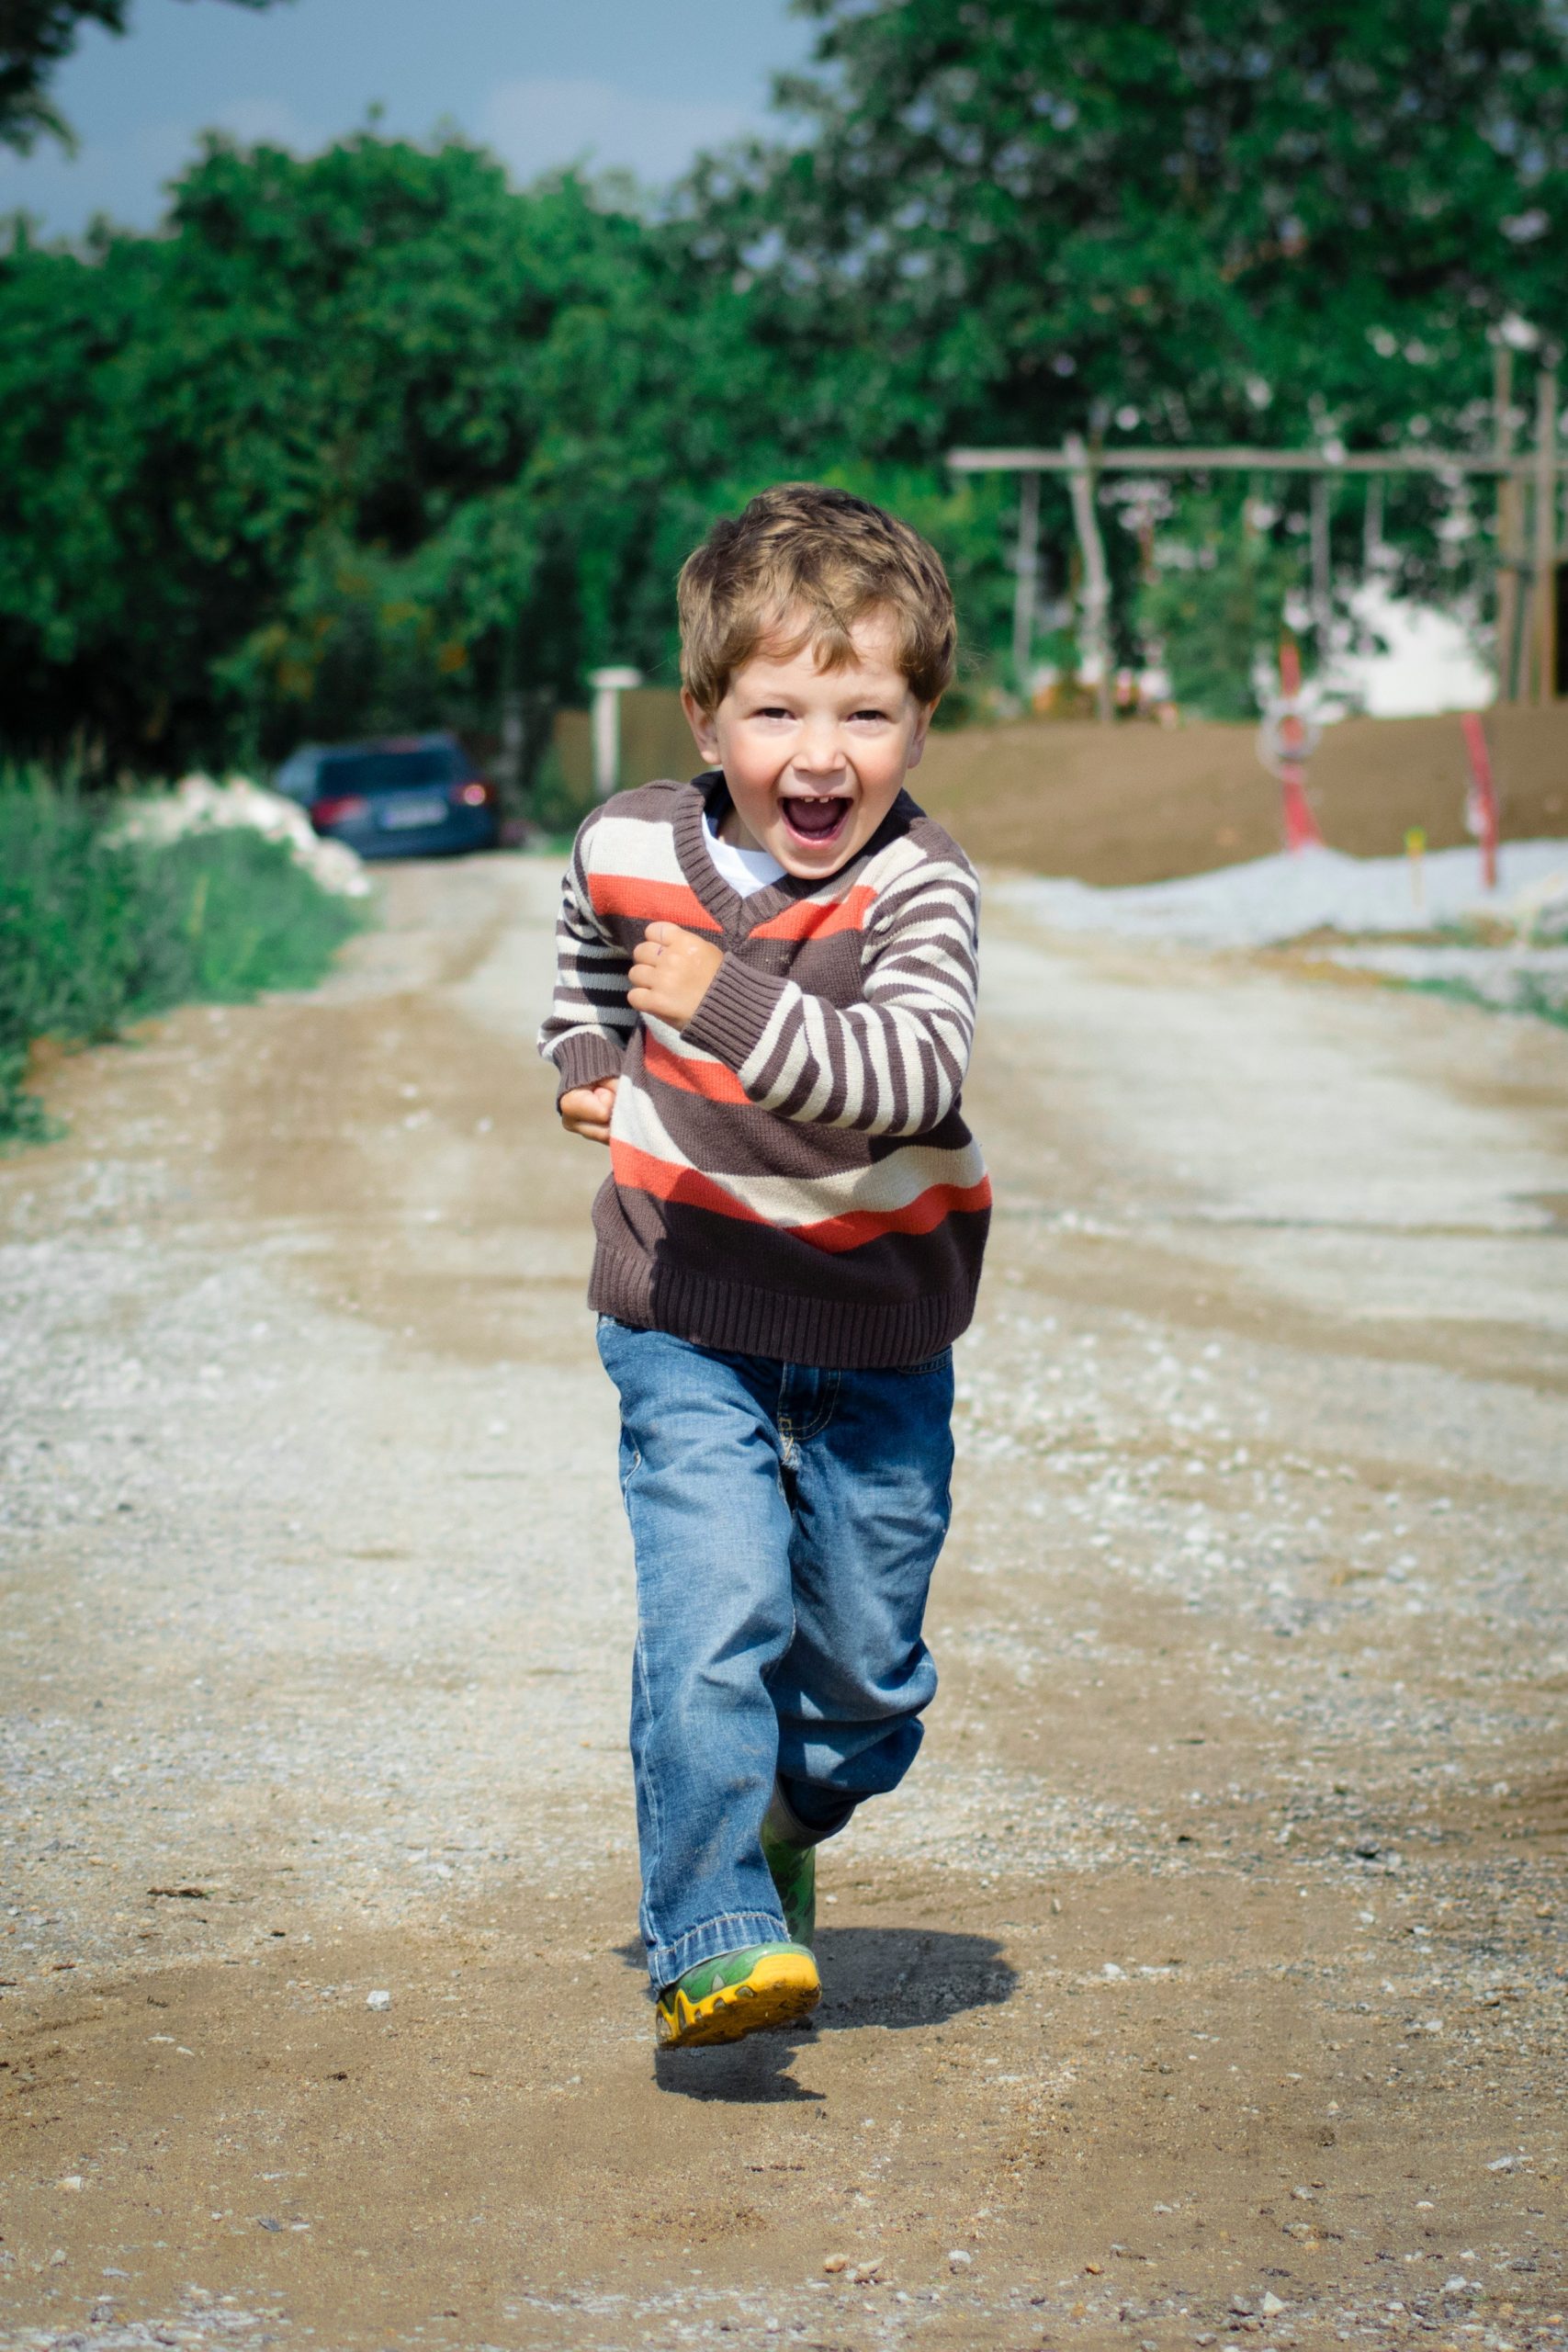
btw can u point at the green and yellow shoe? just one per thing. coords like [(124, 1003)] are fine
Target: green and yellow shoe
[(794, 1872), (738, 1993)]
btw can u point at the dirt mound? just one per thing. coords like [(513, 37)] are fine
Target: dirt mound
[(1133, 803)]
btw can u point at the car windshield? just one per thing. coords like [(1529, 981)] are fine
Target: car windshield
[(386, 771)]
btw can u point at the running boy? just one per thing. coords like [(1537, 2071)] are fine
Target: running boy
[(765, 1003)]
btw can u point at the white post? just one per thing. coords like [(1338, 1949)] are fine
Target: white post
[(1025, 595), (1096, 579), (608, 687)]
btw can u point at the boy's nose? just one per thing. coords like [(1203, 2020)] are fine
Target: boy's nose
[(820, 754)]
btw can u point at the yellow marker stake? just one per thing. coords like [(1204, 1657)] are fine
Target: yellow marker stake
[(1416, 850)]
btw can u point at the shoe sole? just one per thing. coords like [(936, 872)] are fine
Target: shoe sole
[(780, 1989)]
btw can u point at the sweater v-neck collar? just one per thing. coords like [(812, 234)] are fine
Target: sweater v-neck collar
[(734, 914), (739, 916)]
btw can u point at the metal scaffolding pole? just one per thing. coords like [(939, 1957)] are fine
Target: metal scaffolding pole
[(1543, 468), (1371, 526), (1236, 461), (1545, 615), (1509, 519), (1321, 576)]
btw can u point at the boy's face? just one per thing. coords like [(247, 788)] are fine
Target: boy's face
[(815, 759)]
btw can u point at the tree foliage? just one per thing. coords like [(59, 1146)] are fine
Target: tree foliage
[(1172, 221), (1193, 214), (359, 436), (366, 440)]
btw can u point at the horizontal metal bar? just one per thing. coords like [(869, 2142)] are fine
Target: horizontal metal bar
[(1242, 462)]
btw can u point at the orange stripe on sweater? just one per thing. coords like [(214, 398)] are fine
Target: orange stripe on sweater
[(642, 1171), (643, 901), (819, 917), (923, 1215), (713, 1080)]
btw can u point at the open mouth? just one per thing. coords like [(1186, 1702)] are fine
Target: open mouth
[(816, 816)]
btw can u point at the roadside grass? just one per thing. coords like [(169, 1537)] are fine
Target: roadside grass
[(1531, 997), (98, 933)]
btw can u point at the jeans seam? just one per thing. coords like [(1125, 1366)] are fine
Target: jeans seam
[(650, 1780), (639, 1668)]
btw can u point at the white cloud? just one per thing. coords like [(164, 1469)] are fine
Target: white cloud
[(536, 125)]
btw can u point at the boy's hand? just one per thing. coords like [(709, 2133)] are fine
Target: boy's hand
[(671, 972), (585, 1110)]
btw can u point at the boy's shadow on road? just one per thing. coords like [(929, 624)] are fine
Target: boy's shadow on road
[(894, 1977)]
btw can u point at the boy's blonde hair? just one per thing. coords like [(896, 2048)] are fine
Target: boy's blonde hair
[(802, 565)]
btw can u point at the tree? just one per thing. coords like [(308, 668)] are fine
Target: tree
[(355, 441), (35, 36), (1026, 216), (1199, 220)]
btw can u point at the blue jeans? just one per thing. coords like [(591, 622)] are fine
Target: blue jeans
[(786, 1521)]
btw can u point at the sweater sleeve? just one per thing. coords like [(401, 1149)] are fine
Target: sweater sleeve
[(890, 1066), (584, 1036)]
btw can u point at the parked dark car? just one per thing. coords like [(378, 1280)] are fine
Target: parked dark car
[(404, 796)]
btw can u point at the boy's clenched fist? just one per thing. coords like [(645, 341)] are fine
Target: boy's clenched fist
[(587, 1111), (671, 972)]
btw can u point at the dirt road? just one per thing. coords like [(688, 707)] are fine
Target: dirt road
[(1205, 1982)]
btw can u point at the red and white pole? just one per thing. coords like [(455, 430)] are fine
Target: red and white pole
[(1481, 801), (1300, 825)]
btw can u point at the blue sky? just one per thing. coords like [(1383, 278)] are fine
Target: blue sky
[(636, 83)]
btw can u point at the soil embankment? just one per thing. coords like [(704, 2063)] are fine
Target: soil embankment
[(1137, 803)]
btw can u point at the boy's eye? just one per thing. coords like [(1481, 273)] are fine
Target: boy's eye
[(868, 714)]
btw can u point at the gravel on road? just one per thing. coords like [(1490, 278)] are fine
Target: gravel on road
[(1206, 1982)]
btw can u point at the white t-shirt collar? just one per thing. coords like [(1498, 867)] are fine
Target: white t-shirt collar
[(746, 870)]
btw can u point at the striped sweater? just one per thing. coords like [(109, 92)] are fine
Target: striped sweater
[(790, 1175)]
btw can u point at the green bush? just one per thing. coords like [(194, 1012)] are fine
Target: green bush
[(97, 932)]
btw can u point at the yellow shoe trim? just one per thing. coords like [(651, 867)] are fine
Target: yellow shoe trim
[(783, 1987)]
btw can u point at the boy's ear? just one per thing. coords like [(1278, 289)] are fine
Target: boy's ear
[(700, 721), (922, 729)]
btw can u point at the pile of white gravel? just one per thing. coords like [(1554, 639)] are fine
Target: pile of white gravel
[(198, 804), (1278, 899)]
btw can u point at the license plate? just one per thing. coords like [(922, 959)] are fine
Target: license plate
[(402, 816)]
